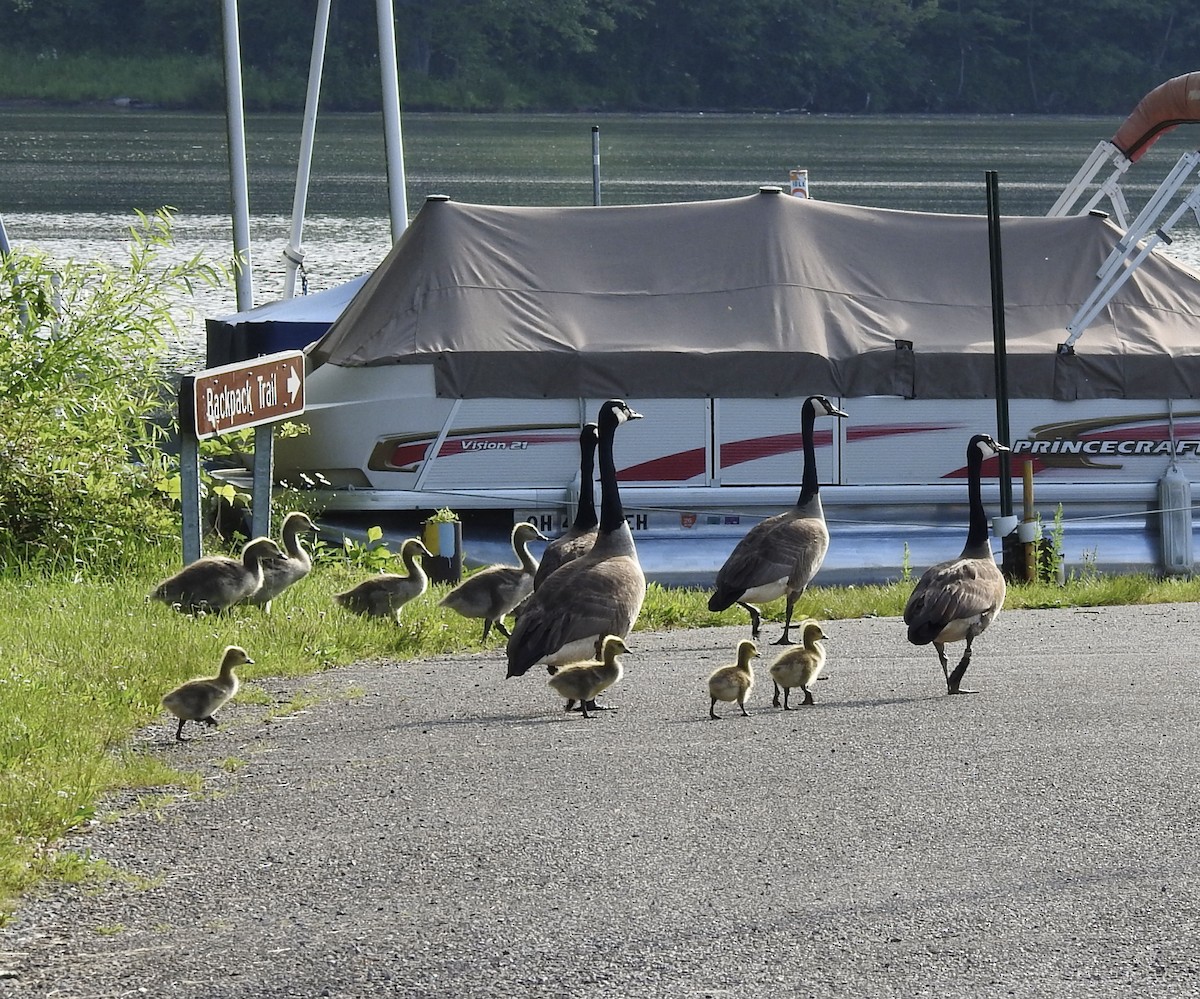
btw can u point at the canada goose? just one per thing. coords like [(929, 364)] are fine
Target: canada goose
[(585, 682), (495, 591), (799, 666), (781, 554), (199, 700), (383, 595), (279, 574), (957, 600), (597, 594), (216, 582), (581, 535), (733, 682)]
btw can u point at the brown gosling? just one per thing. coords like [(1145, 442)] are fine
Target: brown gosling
[(733, 682), (586, 681), (213, 584), (199, 700), (800, 666), (497, 590), (385, 594), (280, 573)]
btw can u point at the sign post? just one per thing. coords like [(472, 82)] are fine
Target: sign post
[(254, 393)]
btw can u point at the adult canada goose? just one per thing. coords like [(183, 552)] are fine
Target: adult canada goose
[(799, 666), (384, 594), (581, 535), (214, 583), (781, 554), (199, 700), (586, 681), (495, 591), (280, 573), (733, 682), (599, 593), (957, 600)]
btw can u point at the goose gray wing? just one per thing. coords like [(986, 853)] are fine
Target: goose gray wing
[(950, 591), (582, 600)]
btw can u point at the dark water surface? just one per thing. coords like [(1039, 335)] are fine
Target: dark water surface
[(71, 180)]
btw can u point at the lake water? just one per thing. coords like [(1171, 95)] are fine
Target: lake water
[(70, 181)]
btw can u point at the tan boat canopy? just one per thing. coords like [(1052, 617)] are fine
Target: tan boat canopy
[(762, 296)]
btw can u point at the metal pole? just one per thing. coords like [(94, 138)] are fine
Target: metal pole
[(596, 165), (394, 144), (998, 340), (189, 471), (294, 253), (239, 187)]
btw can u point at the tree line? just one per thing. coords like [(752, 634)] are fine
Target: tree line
[(826, 56)]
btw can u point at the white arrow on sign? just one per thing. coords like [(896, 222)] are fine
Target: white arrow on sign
[(293, 383)]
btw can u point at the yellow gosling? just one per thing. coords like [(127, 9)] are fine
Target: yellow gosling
[(199, 700), (586, 681), (733, 682), (800, 666)]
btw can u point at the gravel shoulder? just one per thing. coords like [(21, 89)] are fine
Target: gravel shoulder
[(428, 828)]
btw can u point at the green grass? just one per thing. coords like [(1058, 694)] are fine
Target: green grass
[(84, 663)]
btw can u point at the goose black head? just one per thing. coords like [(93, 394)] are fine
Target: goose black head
[(823, 407), (987, 446), (617, 411)]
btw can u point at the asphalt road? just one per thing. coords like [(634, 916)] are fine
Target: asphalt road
[(431, 829)]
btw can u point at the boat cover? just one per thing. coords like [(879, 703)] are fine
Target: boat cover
[(762, 296)]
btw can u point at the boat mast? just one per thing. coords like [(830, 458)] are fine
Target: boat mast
[(397, 195), (293, 253), (239, 188)]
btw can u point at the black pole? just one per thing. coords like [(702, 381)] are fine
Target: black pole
[(595, 165), (998, 340)]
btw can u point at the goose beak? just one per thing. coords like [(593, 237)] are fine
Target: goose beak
[(633, 415)]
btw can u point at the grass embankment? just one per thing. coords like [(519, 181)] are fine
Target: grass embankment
[(83, 665)]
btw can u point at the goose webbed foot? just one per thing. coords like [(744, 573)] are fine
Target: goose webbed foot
[(712, 711), (571, 705), (808, 697), (745, 713), (783, 639), (503, 629), (775, 699), (593, 706)]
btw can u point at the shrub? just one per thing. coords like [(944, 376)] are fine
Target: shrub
[(82, 380)]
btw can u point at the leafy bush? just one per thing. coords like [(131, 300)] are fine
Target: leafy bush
[(82, 380)]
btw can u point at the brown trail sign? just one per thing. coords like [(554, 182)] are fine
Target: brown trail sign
[(253, 393), (246, 394)]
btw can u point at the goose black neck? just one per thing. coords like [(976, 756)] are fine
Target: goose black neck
[(977, 525), (808, 484), (612, 514), (585, 513)]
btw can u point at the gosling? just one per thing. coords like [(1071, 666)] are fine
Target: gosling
[(586, 681), (199, 700), (800, 666), (213, 584), (385, 594), (733, 682), (279, 574), (497, 590)]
